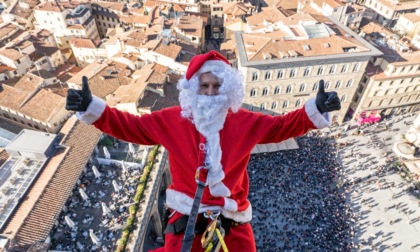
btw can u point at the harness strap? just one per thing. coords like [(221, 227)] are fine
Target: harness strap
[(200, 178)]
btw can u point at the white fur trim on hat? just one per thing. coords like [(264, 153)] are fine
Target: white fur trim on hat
[(183, 204), (319, 120), (213, 66), (94, 111)]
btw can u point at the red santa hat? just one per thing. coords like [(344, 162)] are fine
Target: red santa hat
[(206, 62)]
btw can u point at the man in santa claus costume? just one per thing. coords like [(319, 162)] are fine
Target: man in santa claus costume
[(208, 132)]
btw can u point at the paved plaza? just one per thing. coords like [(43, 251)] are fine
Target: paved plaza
[(338, 192)]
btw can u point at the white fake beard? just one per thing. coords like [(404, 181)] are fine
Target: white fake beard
[(209, 115)]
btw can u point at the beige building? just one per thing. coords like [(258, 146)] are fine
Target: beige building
[(391, 83), (284, 61), (66, 20), (409, 24), (29, 104), (107, 15), (388, 12), (190, 28), (87, 51)]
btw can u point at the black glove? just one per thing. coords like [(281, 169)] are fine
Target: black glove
[(326, 101), (78, 100)]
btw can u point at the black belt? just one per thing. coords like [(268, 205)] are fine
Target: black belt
[(201, 225)]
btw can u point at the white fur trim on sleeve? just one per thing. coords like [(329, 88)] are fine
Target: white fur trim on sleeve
[(230, 205), (319, 120), (94, 111)]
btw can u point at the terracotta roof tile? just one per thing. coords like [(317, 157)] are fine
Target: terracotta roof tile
[(43, 105), (413, 17), (115, 6), (11, 53), (170, 50), (12, 98), (104, 79), (190, 25), (81, 141), (85, 43)]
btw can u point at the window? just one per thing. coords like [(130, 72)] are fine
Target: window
[(332, 69), (306, 72), (356, 67), (254, 76), (285, 104), (315, 86), (251, 107), (262, 106), (277, 90), (288, 89), (343, 98), (268, 75), (280, 74), (391, 82), (349, 83), (265, 92), (376, 93), (387, 91), (320, 70), (293, 72), (327, 85), (338, 84), (297, 104), (344, 68), (253, 92), (274, 105), (302, 88)]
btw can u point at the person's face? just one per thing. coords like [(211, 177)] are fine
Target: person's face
[(208, 85)]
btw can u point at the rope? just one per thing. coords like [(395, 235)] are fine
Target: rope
[(219, 235)]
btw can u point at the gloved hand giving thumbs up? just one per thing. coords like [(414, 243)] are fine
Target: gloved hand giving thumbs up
[(78, 100), (326, 101)]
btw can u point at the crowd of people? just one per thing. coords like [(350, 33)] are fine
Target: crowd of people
[(297, 204), (93, 219)]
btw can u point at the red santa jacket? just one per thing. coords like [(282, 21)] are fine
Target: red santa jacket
[(241, 132)]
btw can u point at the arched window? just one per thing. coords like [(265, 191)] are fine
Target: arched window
[(262, 106), (327, 85), (289, 89), (297, 104), (356, 67), (274, 105), (306, 72), (267, 75), (349, 83), (332, 69), (343, 98), (338, 84), (315, 87), (251, 107), (265, 92), (277, 90), (302, 88), (320, 70), (280, 74), (254, 76), (344, 68), (253, 92), (293, 72), (285, 104)]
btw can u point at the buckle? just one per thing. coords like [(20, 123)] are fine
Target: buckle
[(212, 214), (201, 175)]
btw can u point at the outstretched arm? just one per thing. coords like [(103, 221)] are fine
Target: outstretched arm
[(119, 124), (314, 115)]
